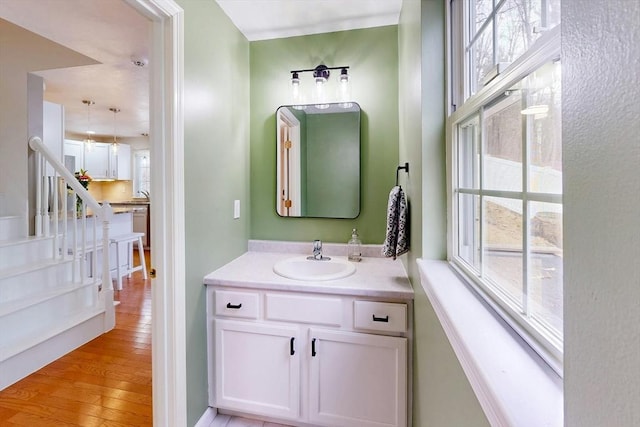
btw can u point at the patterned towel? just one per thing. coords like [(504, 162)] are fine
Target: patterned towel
[(396, 242)]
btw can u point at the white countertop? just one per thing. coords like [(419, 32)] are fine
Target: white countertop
[(374, 277)]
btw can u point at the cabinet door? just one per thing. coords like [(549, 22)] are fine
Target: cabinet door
[(357, 380), (74, 155), (96, 160), (255, 370), (140, 224)]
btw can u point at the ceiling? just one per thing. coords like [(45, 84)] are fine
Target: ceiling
[(273, 19), (116, 35)]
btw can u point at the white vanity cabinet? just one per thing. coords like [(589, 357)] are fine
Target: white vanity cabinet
[(305, 358)]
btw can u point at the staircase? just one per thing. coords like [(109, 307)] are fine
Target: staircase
[(52, 296)]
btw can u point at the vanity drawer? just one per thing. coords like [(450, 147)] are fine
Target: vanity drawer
[(380, 316), (305, 309), (237, 304)]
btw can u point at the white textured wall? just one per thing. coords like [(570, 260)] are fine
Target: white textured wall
[(601, 143)]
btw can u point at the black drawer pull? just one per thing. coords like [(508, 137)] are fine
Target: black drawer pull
[(381, 319), (235, 307), (291, 349), (313, 347)]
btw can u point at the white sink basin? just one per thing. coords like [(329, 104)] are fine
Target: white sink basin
[(301, 268)]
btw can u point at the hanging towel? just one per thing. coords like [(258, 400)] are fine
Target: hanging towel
[(396, 242)]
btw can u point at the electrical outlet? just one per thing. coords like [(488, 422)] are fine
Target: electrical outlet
[(236, 209)]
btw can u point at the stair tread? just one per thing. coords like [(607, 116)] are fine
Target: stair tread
[(23, 240), (9, 217), (22, 269), (22, 303)]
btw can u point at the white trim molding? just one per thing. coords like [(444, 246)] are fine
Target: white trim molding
[(167, 211), (513, 384)]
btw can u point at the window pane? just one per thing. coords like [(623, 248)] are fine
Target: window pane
[(468, 229), (479, 12), (544, 121), (502, 145), (468, 155), (502, 247), (552, 17), (545, 264), (142, 173), (481, 58), (516, 22)]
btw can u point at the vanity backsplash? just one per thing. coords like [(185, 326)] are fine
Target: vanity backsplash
[(335, 249)]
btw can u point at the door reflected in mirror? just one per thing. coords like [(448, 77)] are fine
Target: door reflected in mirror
[(318, 160)]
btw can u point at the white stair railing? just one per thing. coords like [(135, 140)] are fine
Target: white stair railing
[(74, 229)]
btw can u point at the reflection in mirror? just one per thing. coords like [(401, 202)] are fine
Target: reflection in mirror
[(318, 161)]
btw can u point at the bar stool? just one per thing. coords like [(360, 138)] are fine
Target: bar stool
[(128, 238)]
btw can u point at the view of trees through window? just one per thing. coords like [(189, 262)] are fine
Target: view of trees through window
[(502, 30), (508, 157)]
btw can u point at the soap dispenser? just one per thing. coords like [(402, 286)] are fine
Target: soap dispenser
[(354, 254)]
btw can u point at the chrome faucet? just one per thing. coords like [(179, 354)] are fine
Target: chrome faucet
[(317, 252)]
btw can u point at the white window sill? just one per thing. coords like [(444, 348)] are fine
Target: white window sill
[(514, 385)]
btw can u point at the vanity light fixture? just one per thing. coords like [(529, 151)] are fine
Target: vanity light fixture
[(89, 142), (114, 144), (321, 75)]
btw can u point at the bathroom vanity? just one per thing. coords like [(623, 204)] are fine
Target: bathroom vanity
[(310, 352)]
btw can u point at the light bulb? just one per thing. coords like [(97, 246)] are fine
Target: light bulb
[(320, 93), (295, 88), (344, 90)]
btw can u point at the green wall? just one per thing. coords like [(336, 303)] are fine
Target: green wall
[(333, 165), (216, 157), (372, 55), (442, 395)]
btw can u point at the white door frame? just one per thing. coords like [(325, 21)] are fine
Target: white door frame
[(286, 118), (167, 211)]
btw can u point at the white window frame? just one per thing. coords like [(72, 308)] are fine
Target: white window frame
[(544, 50), (138, 185)]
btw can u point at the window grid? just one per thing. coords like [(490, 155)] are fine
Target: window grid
[(471, 105), (475, 147)]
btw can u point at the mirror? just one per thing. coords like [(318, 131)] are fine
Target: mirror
[(318, 160)]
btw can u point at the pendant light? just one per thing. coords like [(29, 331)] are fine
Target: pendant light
[(89, 142), (114, 144)]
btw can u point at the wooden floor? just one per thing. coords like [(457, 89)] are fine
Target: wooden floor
[(106, 382)]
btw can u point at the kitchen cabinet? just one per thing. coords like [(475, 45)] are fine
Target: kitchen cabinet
[(327, 360), (73, 155), (100, 161), (141, 223)]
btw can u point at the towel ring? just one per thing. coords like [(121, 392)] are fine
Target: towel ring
[(405, 167)]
